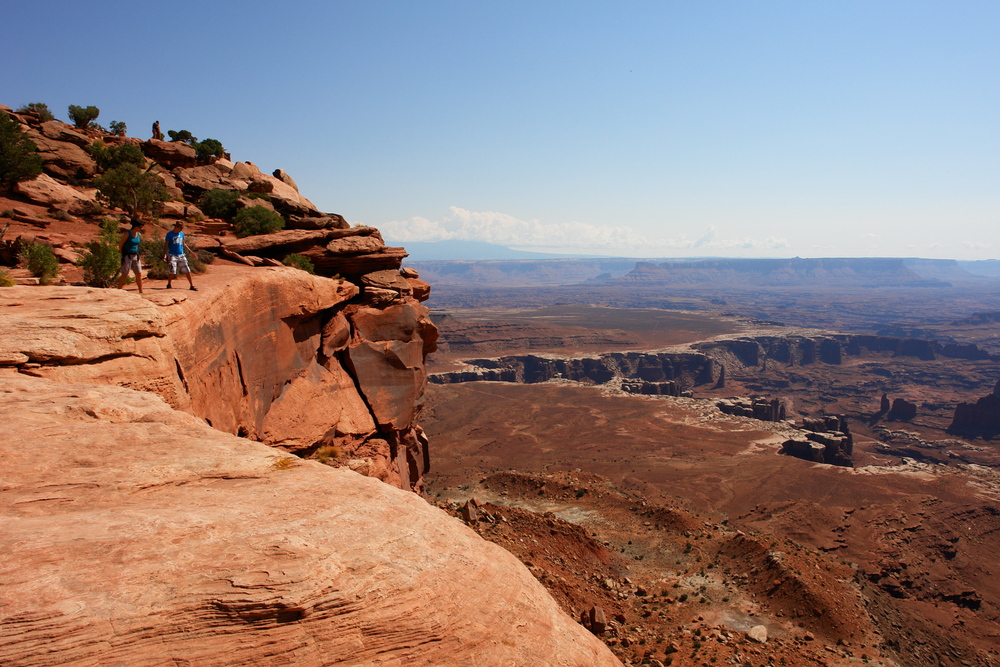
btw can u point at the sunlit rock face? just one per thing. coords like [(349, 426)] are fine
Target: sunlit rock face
[(135, 534), (274, 354)]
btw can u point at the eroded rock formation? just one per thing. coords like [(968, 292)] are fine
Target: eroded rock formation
[(825, 439), (684, 370), (275, 354), (980, 419)]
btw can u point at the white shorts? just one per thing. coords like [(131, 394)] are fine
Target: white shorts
[(178, 263)]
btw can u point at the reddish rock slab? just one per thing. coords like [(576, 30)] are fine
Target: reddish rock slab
[(280, 243), (170, 154), (136, 535), (63, 158), (355, 265), (355, 245), (319, 406), (60, 131), (47, 191), (208, 177)]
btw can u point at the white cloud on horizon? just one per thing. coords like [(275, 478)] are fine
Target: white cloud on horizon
[(459, 224)]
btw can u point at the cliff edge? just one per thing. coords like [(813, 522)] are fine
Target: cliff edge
[(136, 534)]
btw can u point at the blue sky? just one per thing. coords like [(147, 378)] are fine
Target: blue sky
[(640, 129)]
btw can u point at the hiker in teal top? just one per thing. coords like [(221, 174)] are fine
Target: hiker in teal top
[(173, 255), (129, 248)]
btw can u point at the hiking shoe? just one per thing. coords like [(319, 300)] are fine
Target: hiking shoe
[(167, 287), (193, 288)]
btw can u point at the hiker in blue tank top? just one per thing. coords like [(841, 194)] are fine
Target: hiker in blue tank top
[(173, 255), (129, 248)]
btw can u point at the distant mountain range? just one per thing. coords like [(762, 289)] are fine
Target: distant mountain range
[(469, 263), (469, 251)]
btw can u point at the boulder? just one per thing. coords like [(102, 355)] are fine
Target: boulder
[(63, 158), (355, 245), (389, 280), (420, 289), (47, 191), (375, 296), (248, 202), (244, 171), (598, 621), (66, 255), (180, 209), (283, 176), (59, 131), (170, 182), (135, 534), (285, 198), (208, 177), (170, 154), (758, 633)]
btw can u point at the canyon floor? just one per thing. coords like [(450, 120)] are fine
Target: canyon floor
[(687, 528)]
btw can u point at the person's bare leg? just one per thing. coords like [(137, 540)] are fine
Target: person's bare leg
[(190, 282), (138, 280)]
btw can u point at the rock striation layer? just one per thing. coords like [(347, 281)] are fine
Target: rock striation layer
[(136, 535)]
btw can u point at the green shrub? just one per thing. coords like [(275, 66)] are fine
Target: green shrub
[(101, 260), (40, 108), (219, 203), (108, 157), (257, 220), (151, 251), (5, 279), (130, 188), (205, 256), (257, 195), (182, 135), (209, 148), (299, 262), (118, 127), (19, 158), (41, 261), (82, 116)]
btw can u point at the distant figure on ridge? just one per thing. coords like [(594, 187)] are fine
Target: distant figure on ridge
[(129, 248), (173, 255), (157, 134)]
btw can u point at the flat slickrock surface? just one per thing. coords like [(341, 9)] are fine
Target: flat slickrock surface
[(134, 534)]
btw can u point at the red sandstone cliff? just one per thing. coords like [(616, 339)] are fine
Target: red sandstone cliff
[(140, 528)]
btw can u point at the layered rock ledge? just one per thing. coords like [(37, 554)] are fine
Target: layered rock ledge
[(274, 354)]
